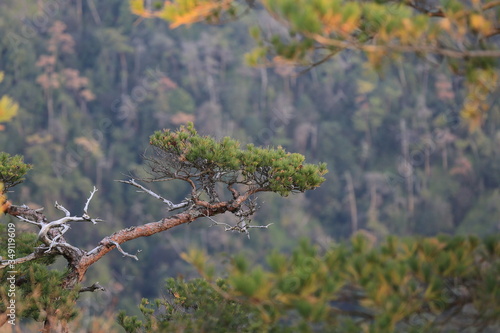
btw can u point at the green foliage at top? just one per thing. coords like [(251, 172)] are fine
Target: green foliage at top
[(264, 169), (12, 170)]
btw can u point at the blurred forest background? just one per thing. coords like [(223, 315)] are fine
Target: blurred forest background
[(93, 82)]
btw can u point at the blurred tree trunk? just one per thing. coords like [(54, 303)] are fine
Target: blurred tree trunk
[(79, 13), (352, 202), (50, 110), (407, 167), (263, 88), (94, 12), (124, 73)]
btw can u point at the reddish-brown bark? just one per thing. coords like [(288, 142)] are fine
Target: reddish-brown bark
[(79, 261)]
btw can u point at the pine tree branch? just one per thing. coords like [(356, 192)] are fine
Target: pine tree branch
[(37, 254), (371, 48)]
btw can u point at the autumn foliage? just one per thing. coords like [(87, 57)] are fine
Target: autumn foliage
[(458, 32)]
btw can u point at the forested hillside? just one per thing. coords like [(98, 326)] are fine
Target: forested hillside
[(93, 82)]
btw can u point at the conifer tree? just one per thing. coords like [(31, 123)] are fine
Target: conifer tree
[(441, 284), (223, 177)]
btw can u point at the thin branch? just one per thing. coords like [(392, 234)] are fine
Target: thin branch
[(61, 223), (170, 204), (259, 226), (61, 208), (125, 254), (29, 257), (493, 33), (26, 212), (58, 223), (458, 54), (233, 191), (325, 59), (29, 221), (85, 209), (92, 288), (17, 261), (241, 226), (228, 227), (491, 4)]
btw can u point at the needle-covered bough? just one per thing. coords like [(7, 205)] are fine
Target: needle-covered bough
[(223, 177)]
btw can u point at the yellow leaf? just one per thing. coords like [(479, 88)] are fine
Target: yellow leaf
[(382, 292), (473, 115), (90, 145), (8, 108), (1, 77), (195, 257), (476, 21), (137, 7), (445, 23), (479, 23), (191, 12), (188, 18), (365, 87), (3, 201)]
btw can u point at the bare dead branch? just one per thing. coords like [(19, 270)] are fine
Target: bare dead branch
[(27, 213), (94, 250), (55, 240), (61, 208), (317, 63), (242, 226), (29, 221), (170, 204), (42, 235), (125, 254), (92, 288), (62, 222), (259, 226), (85, 209)]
